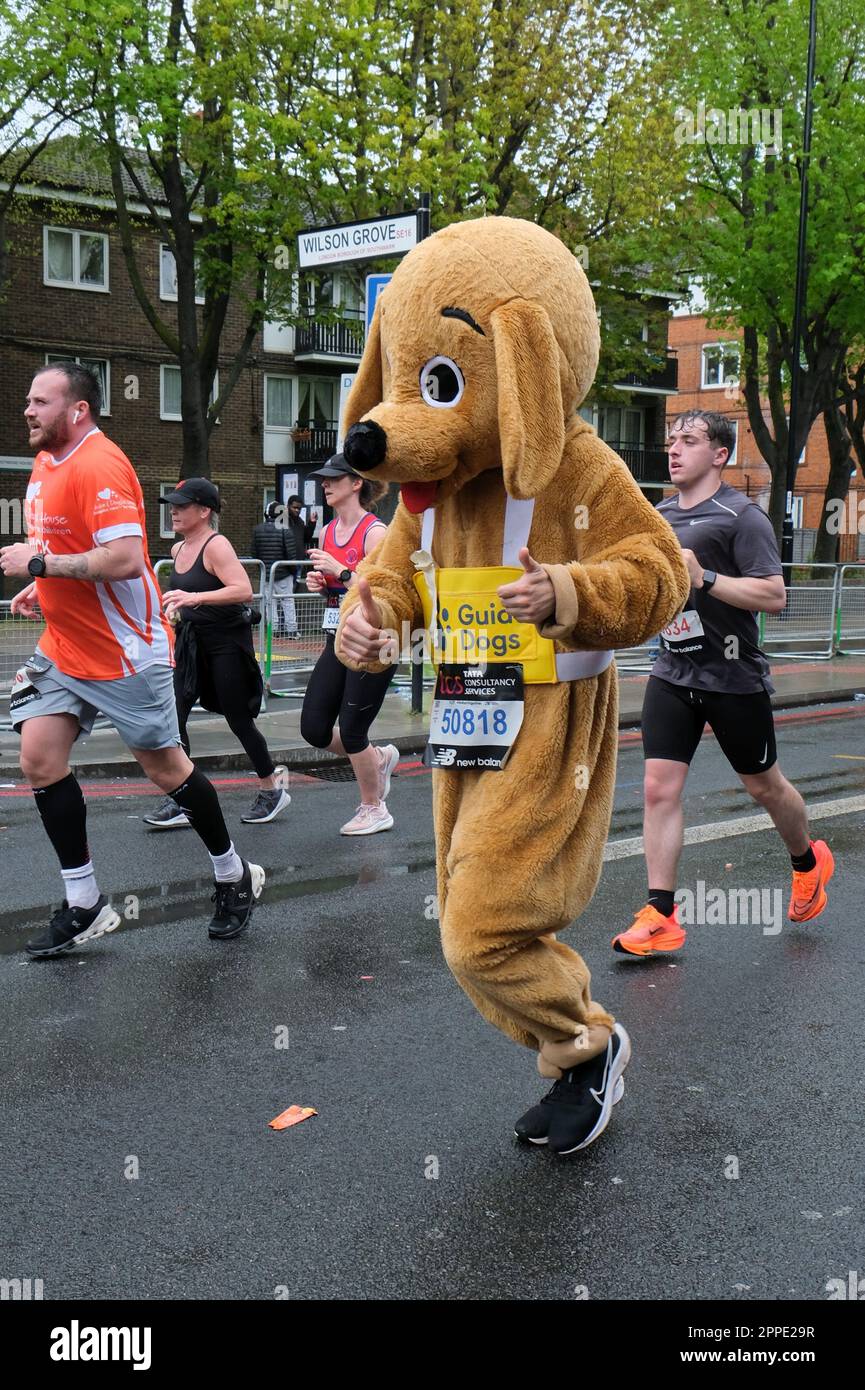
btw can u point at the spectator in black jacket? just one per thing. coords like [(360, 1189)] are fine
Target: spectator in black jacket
[(303, 533), (272, 541)]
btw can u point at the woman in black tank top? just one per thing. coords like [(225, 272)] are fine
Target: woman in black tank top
[(207, 598)]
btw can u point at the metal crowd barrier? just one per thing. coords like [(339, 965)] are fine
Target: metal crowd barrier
[(805, 630), (825, 615), (19, 638), (293, 638), (850, 618)]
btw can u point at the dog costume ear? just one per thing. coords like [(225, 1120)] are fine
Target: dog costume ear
[(531, 413), (368, 389)]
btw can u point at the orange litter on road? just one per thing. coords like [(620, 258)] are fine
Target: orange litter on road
[(292, 1116)]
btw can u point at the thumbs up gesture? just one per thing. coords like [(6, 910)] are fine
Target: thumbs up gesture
[(531, 598), (361, 636)]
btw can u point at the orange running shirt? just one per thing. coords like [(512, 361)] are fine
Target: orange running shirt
[(105, 630)]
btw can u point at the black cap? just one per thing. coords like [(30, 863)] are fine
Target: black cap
[(200, 490), (335, 467)]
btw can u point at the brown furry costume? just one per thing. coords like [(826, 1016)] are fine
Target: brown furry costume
[(519, 851)]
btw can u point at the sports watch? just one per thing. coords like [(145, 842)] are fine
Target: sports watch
[(37, 567), (709, 577), (345, 576)]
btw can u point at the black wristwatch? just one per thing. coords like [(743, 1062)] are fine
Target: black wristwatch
[(345, 576), (709, 577), (37, 567)]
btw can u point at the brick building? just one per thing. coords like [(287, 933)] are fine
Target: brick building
[(708, 380), (68, 294)]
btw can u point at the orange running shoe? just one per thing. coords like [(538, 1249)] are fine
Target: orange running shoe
[(651, 932), (809, 889)]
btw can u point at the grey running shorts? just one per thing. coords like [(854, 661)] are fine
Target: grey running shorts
[(141, 707)]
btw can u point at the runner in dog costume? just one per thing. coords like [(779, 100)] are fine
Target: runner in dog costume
[(524, 544)]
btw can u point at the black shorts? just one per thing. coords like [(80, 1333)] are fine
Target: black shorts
[(674, 717)]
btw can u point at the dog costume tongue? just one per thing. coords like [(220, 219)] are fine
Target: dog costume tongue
[(418, 496)]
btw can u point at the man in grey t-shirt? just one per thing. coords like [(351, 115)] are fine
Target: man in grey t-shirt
[(711, 671)]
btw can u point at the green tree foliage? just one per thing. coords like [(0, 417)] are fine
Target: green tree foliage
[(733, 76), (245, 120)]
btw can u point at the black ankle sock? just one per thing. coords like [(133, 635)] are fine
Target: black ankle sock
[(663, 900), (196, 796), (804, 863), (64, 815)]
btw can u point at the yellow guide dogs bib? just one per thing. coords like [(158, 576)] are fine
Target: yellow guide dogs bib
[(467, 621)]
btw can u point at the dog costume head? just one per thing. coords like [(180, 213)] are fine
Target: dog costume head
[(481, 350)]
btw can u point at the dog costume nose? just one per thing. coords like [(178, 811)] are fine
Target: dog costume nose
[(365, 446)]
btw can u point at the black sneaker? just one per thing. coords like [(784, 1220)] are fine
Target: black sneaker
[(266, 806), (234, 903), (70, 926), (167, 816), (578, 1108)]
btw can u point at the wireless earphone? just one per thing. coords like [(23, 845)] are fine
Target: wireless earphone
[(75, 417)]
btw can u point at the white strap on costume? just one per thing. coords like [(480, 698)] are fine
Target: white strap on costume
[(570, 666)]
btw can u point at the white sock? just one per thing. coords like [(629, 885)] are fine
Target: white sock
[(82, 889), (228, 867)]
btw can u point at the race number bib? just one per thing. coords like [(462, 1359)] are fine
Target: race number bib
[(476, 716), (331, 615), (686, 627)]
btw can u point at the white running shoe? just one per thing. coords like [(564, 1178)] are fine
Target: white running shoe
[(368, 820), (388, 757)]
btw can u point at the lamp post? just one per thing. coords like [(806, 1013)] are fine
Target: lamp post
[(801, 285)]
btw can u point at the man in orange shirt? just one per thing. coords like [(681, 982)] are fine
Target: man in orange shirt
[(107, 648)]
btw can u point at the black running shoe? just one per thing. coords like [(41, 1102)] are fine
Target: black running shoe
[(70, 926), (577, 1109), (234, 903), (167, 816)]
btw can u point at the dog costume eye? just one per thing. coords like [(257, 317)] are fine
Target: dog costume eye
[(441, 383)]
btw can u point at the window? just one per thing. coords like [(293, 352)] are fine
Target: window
[(278, 413), (798, 506), (317, 402), (166, 530), (99, 365), (75, 260), (720, 365), (168, 277), (621, 426), (169, 393), (325, 291)]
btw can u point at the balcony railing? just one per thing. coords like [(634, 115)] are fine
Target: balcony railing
[(663, 378), (342, 340), (314, 443), (648, 465)]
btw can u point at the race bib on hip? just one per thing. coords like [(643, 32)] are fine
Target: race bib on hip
[(331, 615), (476, 716)]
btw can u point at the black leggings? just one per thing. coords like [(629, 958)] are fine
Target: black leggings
[(233, 695), (354, 697)]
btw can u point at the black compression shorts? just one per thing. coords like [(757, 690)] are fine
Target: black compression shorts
[(674, 717)]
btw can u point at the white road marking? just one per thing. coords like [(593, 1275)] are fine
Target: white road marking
[(747, 825)]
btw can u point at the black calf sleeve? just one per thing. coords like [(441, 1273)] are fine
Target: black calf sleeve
[(198, 799), (64, 815)]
